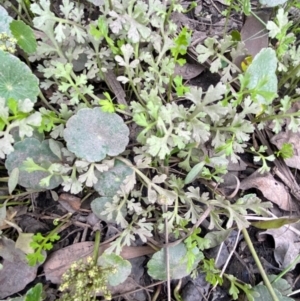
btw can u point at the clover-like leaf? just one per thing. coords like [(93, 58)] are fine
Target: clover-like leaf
[(109, 182), (16, 79), (122, 266), (178, 261), (92, 134), (41, 154), (24, 35)]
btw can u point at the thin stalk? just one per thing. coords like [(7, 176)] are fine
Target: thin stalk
[(259, 265), (19, 14), (96, 247), (287, 269), (46, 103), (27, 13)]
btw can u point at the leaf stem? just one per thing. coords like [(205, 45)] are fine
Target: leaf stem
[(259, 265), (96, 246), (46, 103)]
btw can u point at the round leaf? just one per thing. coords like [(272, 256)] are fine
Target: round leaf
[(92, 134), (41, 154), (5, 19), (178, 259), (272, 3), (24, 35), (109, 182), (122, 266), (98, 206), (16, 79)]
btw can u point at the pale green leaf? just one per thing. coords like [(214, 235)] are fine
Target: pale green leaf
[(16, 79), (122, 266), (13, 180)]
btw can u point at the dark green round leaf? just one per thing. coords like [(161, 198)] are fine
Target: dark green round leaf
[(41, 154), (16, 79), (122, 266), (109, 182), (92, 134), (24, 36)]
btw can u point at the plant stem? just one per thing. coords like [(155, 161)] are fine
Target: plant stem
[(259, 265), (96, 247), (46, 103), (287, 269)]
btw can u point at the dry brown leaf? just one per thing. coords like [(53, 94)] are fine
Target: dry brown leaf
[(188, 71), (271, 189), (254, 34), (292, 138), (116, 87), (70, 202), (127, 286), (59, 261), (287, 244), (16, 273)]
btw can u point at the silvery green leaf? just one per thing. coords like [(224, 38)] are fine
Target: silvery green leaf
[(3, 214), (4, 111), (88, 177), (43, 14), (104, 208), (194, 172), (60, 32), (5, 20), (123, 79), (6, 141), (25, 105), (157, 268), (66, 8), (272, 3), (123, 267), (13, 180), (26, 125), (206, 51), (92, 134), (110, 181), (55, 148), (159, 179), (151, 195), (41, 154)]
